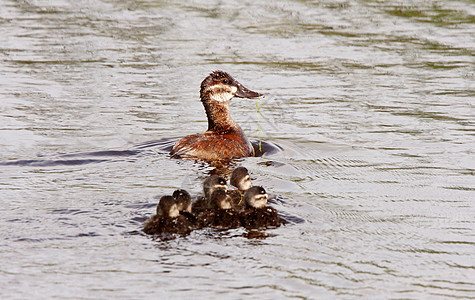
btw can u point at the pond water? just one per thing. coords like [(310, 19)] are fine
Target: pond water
[(369, 110)]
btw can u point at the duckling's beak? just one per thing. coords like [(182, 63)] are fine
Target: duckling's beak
[(243, 92)]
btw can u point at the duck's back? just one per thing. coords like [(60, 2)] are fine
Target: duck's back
[(213, 146), (253, 218), (159, 225), (220, 218), (237, 200)]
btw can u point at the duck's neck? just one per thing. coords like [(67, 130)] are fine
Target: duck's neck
[(219, 119)]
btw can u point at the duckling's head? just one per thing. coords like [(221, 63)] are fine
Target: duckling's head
[(212, 183), (183, 200), (167, 207), (221, 87), (256, 197), (240, 178), (220, 200)]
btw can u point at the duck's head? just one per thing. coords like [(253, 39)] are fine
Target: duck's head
[(256, 197), (183, 200), (167, 207), (220, 86), (220, 200), (213, 183), (240, 178)]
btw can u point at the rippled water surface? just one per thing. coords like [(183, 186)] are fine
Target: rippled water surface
[(369, 106)]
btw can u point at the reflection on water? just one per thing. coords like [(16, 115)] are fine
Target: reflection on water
[(367, 130)]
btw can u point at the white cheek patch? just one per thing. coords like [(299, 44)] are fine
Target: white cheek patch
[(246, 183), (261, 201), (225, 205), (222, 93), (174, 212), (188, 208)]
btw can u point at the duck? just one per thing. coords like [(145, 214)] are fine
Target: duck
[(210, 184), (220, 213), (167, 207), (168, 219), (257, 214), (224, 139), (240, 179), (183, 200), (184, 205)]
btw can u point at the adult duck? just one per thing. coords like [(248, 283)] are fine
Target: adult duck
[(224, 139)]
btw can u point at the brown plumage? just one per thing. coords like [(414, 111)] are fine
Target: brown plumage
[(236, 198), (220, 218), (239, 178), (257, 214), (219, 214), (254, 218), (224, 139), (168, 219), (183, 200), (162, 225), (210, 184)]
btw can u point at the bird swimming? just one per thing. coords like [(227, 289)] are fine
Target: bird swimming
[(240, 179), (210, 184), (257, 214), (224, 139), (168, 219), (183, 200), (220, 213)]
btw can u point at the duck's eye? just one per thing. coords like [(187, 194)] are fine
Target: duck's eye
[(225, 81)]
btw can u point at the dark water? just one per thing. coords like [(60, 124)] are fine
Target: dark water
[(369, 106)]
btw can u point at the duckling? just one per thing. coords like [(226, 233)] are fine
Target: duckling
[(220, 200), (167, 207), (224, 139), (210, 184), (183, 200), (256, 197), (168, 219), (258, 214), (220, 214), (213, 183), (239, 178)]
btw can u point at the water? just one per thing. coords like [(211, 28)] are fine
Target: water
[(369, 102)]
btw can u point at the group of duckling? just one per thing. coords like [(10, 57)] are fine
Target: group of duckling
[(220, 207)]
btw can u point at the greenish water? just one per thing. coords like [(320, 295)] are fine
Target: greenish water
[(371, 104)]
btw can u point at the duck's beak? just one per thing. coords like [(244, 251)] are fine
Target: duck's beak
[(243, 92)]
